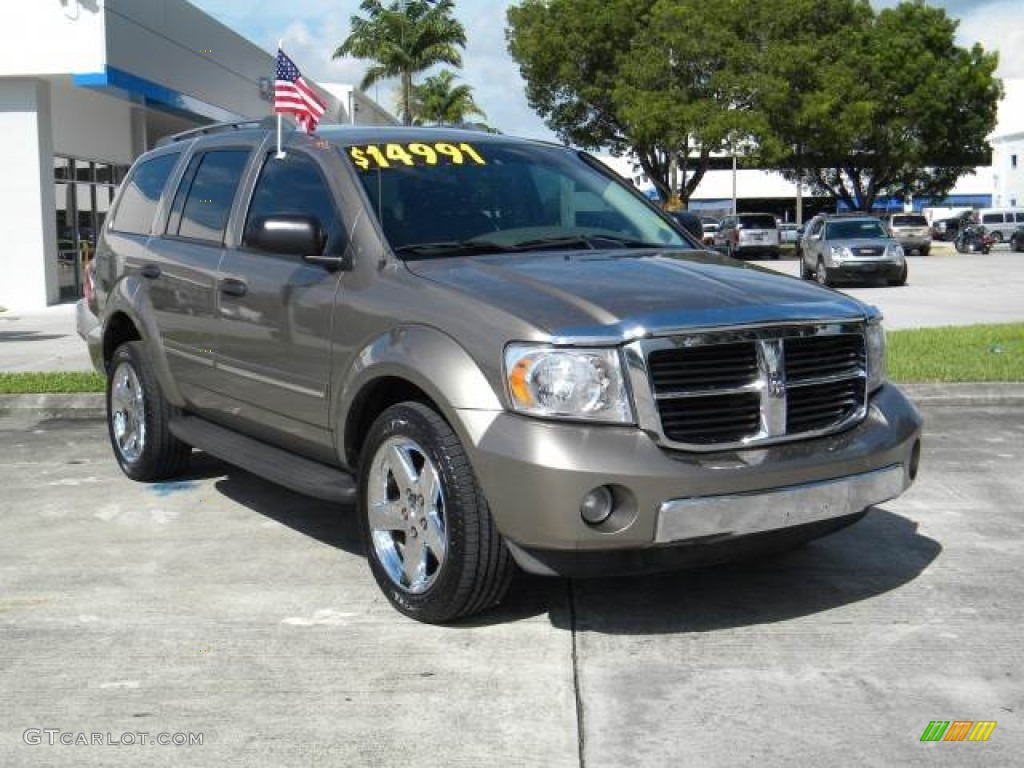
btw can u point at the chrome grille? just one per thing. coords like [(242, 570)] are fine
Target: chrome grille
[(711, 390)]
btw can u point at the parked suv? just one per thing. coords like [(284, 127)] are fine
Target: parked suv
[(500, 352), (850, 248), (748, 235), (1000, 222), (911, 231)]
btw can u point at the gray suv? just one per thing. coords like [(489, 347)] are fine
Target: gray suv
[(911, 231), (495, 350), (850, 248)]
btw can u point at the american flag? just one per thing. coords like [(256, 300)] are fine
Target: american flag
[(293, 96)]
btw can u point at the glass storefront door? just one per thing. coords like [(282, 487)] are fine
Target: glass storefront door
[(84, 191)]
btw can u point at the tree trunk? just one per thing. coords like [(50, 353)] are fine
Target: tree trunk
[(407, 98)]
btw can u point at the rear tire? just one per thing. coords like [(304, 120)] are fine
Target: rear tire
[(805, 273), (924, 251), (431, 542), (138, 418)]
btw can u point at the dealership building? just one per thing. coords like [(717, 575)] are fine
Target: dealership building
[(85, 87)]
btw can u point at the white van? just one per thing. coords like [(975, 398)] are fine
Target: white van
[(1000, 222)]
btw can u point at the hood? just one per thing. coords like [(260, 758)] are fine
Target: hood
[(620, 294)]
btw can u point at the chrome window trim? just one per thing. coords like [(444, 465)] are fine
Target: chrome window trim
[(770, 383)]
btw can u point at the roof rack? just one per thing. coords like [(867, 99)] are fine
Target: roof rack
[(237, 125)]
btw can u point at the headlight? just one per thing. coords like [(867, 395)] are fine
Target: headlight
[(894, 251), (875, 340), (840, 253), (567, 383)]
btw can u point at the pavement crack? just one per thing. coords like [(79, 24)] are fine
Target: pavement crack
[(577, 692)]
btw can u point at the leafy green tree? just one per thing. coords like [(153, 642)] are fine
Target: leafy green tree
[(404, 37), (860, 105), (650, 77), (855, 103), (439, 101)]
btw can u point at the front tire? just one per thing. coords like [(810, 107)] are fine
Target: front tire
[(432, 545), (138, 418), (901, 278), (821, 274)]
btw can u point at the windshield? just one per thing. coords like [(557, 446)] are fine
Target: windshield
[(864, 229), (438, 199)]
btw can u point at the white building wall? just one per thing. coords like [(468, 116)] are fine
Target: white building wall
[(26, 195), (90, 125), (1008, 171), (52, 37)]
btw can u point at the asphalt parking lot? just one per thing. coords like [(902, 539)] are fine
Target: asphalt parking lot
[(944, 288), (229, 608)]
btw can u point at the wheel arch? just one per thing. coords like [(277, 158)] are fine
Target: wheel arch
[(413, 363), (129, 317)]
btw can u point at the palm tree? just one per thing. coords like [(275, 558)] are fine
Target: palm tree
[(402, 38), (438, 101)]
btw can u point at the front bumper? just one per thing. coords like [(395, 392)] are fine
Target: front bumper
[(91, 331), (865, 270), (535, 475)]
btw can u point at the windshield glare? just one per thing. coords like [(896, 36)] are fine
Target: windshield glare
[(501, 195), (855, 230)]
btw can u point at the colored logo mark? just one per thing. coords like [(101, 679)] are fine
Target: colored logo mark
[(958, 730)]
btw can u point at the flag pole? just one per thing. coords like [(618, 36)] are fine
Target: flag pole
[(280, 152)]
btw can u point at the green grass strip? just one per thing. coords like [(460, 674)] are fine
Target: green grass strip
[(59, 381), (957, 354), (948, 355)]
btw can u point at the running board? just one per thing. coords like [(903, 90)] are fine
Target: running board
[(278, 466)]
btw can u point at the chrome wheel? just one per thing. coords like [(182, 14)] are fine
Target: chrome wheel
[(406, 514), (127, 413)]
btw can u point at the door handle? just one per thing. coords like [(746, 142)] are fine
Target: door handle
[(152, 271), (231, 286)]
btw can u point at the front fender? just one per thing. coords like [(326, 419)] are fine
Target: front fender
[(128, 299), (425, 357)]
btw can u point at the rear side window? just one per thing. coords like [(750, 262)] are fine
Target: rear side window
[(142, 191), (992, 218), (758, 221), (203, 201)]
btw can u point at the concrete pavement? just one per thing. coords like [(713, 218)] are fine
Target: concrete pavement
[(223, 606)]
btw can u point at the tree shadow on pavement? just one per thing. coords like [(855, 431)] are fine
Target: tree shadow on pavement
[(878, 554)]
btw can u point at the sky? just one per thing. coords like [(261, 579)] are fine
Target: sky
[(312, 29)]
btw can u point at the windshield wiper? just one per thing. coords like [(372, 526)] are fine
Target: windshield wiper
[(593, 242), (450, 248)]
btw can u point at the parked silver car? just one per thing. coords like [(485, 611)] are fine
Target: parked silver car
[(850, 248)]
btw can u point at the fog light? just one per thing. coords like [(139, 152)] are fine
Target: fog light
[(597, 505)]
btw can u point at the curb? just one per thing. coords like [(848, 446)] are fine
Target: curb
[(90, 405), (93, 405), (982, 393)]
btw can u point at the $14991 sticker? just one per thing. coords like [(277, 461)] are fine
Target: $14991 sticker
[(373, 156)]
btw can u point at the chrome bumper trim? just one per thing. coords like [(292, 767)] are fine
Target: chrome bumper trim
[(736, 515)]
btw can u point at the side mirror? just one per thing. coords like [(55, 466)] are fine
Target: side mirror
[(292, 234)]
